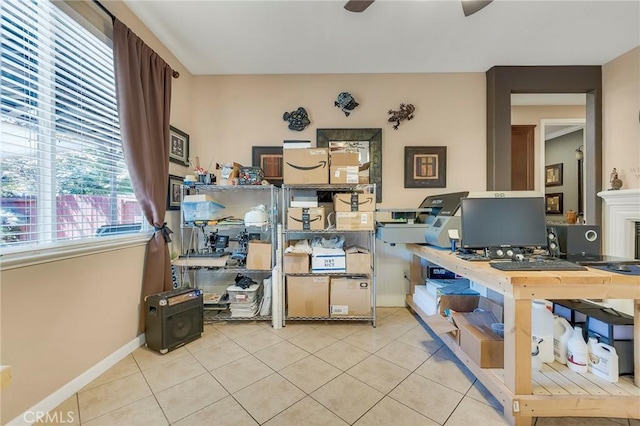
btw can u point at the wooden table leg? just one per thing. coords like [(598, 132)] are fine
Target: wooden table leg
[(517, 354)]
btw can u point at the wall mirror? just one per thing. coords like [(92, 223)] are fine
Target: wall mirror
[(368, 143)]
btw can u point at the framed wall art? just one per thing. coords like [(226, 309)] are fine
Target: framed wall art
[(553, 203), (174, 190), (553, 175), (178, 146), (269, 159), (425, 167)]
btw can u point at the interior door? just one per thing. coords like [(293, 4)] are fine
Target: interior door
[(522, 157)]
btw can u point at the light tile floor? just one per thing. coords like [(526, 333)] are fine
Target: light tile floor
[(305, 374)]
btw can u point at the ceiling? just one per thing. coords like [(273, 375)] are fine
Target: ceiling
[(391, 36)]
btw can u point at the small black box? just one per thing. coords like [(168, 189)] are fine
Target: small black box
[(439, 273)]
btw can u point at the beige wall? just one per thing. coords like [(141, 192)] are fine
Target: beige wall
[(620, 129), (61, 318), (233, 113)]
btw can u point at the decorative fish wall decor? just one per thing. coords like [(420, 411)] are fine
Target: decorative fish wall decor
[(298, 119), (346, 103), (404, 113)]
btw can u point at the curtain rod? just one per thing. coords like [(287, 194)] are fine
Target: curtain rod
[(175, 73)]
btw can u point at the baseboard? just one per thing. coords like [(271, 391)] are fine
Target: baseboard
[(66, 391)]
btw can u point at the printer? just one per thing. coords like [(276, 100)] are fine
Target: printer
[(430, 223)]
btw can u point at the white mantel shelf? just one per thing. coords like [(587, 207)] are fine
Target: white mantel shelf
[(621, 211)]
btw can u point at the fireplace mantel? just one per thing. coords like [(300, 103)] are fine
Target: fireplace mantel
[(621, 212)]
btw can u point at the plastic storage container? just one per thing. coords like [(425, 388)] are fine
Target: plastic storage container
[(542, 330), (603, 361), (577, 352), (561, 333), (242, 295)]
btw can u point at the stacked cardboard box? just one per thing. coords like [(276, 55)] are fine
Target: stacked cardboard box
[(306, 166)]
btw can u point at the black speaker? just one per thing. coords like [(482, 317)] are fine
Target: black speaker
[(553, 246), (173, 318), (579, 239)]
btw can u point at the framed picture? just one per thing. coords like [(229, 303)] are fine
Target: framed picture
[(553, 175), (269, 159), (553, 203), (425, 166), (178, 146), (174, 196)]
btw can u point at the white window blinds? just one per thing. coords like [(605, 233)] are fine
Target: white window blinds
[(63, 171)]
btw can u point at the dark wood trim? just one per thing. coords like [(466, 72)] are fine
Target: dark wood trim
[(502, 81)]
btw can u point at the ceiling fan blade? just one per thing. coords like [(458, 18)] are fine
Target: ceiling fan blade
[(469, 7), (358, 5)]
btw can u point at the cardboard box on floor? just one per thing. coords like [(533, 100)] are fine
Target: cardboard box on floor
[(308, 296), (483, 346), (350, 297), (259, 255)]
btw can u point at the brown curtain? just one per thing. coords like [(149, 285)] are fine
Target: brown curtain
[(143, 92)]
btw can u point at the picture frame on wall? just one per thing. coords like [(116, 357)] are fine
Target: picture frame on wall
[(174, 192), (553, 175), (270, 160), (425, 167), (178, 146), (553, 203)]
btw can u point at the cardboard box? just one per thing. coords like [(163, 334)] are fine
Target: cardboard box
[(325, 260), (358, 260), (350, 297), (477, 339), (354, 202), (460, 303), (344, 174), (305, 218), (296, 263), (354, 221), (309, 165), (225, 176), (308, 296), (259, 255), (344, 159)]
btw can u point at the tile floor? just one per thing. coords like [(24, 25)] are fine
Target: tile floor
[(312, 373)]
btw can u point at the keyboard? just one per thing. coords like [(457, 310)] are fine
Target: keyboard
[(537, 265)]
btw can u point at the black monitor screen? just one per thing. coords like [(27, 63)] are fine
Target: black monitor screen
[(503, 222)]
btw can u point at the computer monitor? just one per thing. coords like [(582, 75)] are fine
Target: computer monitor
[(503, 222)]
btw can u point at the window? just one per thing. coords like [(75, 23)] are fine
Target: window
[(63, 171)]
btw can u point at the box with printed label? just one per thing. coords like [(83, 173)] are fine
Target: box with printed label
[(358, 260), (306, 165), (344, 174), (308, 296), (305, 218), (354, 202), (259, 255), (325, 260), (354, 221), (345, 159), (296, 263), (350, 297)]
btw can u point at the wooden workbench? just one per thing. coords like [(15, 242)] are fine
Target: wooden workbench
[(555, 391)]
